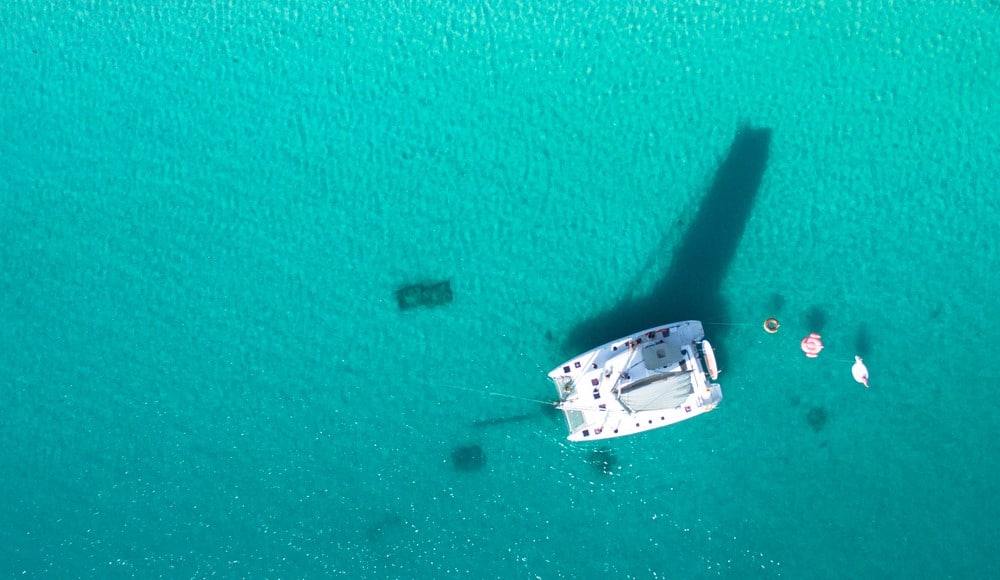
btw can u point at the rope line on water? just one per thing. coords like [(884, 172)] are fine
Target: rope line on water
[(484, 392)]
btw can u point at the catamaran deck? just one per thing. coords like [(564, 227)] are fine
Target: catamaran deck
[(647, 380)]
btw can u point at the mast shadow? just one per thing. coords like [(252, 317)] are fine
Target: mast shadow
[(691, 287)]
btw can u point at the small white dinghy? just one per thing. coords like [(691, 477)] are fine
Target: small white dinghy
[(709, 353), (860, 371)]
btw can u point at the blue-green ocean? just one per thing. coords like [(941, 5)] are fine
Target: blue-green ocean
[(207, 207)]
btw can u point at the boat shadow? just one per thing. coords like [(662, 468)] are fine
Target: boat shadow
[(691, 287)]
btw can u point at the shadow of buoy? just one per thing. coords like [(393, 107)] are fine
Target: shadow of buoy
[(777, 302), (816, 319), (816, 418), (378, 528), (862, 341), (603, 461), (468, 458)]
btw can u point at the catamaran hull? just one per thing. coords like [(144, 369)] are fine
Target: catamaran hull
[(644, 381)]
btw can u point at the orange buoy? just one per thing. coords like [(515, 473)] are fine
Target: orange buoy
[(811, 345), (771, 325)]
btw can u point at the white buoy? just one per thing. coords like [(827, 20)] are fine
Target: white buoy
[(860, 371)]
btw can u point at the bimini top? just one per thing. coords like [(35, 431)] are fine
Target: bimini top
[(654, 378)]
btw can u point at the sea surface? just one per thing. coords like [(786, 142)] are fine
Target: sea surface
[(206, 209)]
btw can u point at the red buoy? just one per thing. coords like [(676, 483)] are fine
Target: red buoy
[(811, 345)]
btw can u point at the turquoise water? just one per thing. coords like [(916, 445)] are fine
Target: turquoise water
[(205, 210)]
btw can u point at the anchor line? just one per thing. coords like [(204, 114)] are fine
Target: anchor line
[(494, 394)]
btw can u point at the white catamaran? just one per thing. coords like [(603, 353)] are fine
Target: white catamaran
[(651, 379)]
